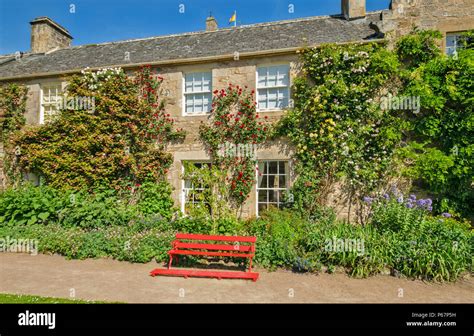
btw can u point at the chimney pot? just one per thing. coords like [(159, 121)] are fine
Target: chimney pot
[(47, 35), (211, 24), (353, 9)]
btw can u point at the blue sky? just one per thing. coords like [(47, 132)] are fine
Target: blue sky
[(96, 21)]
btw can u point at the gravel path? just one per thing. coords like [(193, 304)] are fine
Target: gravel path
[(110, 280)]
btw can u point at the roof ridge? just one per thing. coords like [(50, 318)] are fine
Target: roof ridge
[(262, 24)]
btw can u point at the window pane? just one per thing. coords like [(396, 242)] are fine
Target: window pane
[(272, 76), (206, 81), (273, 167), (198, 82), (282, 181), (272, 179), (281, 167), (263, 182), (207, 98), (272, 196), (262, 77), (282, 79), (262, 207), (262, 196)]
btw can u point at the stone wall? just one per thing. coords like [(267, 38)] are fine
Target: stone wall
[(443, 15)]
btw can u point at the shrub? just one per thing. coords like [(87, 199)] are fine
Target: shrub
[(101, 209), (278, 235), (122, 243), (155, 198), (31, 205)]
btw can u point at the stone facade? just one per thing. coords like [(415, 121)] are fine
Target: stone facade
[(445, 15)]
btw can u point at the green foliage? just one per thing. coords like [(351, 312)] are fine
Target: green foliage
[(30, 205), (441, 151), (403, 240), (118, 144), (422, 246), (343, 132), (337, 124), (419, 47), (98, 210), (278, 235), (213, 202), (155, 198), (120, 242), (12, 119), (12, 109)]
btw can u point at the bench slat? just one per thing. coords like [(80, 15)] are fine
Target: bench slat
[(217, 238), (216, 254), (206, 274), (216, 247)]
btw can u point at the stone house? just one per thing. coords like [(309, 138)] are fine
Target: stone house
[(260, 56)]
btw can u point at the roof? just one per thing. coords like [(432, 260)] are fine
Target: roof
[(269, 37)]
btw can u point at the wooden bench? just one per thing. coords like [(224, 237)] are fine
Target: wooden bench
[(212, 246)]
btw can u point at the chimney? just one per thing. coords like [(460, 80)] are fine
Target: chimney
[(47, 35), (211, 23), (353, 9)]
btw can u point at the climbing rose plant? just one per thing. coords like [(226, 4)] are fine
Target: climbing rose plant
[(12, 119), (118, 144), (337, 125), (234, 122)]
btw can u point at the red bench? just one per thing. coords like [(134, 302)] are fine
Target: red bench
[(213, 246)]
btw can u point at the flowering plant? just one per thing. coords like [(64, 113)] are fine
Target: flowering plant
[(234, 120), (120, 144)]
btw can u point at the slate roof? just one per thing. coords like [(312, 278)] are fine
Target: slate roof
[(251, 38)]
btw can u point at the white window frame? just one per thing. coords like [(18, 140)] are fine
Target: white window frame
[(184, 190), (48, 86), (184, 74), (452, 50), (287, 166), (288, 87)]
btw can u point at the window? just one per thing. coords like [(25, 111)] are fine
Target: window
[(452, 43), (50, 98), (272, 184), (273, 87), (193, 193), (197, 92)]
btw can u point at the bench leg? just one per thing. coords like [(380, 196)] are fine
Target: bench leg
[(171, 260), (250, 266)]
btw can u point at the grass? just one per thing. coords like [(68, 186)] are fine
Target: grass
[(18, 298)]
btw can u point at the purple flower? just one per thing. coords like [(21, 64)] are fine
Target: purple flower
[(446, 214), (421, 203), (429, 201), (413, 197), (409, 205), (429, 208), (368, 199), (400, 199), (386, 196)]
